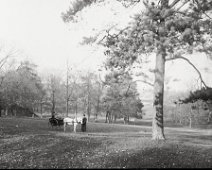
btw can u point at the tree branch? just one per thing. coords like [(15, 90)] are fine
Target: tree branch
[(2, 79), (3, 61), (9, 54), (182, 5), (174, 3), (144, 81), (128, 88), (128, 3), (188, 61)]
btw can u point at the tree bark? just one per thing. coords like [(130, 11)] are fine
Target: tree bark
[(157, 123)]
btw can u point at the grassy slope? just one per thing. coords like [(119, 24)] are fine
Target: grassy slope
[(30, 143)]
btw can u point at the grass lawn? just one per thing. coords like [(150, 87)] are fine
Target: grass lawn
[(30, 143)]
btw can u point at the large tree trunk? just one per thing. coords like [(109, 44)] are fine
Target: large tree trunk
[(157, 123)]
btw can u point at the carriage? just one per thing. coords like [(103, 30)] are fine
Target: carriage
[(64, 122), (55, 121)]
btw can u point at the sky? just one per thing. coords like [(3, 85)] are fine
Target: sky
[(37, 29)]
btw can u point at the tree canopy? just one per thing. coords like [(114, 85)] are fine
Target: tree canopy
[(121, 97), (204, 94), (170, 28), (22, 87)]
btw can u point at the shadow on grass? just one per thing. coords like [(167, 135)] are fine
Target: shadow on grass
[(190, 136), (46, 151), (196, 140), (170, 157), (33, 144)]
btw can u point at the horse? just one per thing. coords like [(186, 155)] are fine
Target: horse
[(70, 121)]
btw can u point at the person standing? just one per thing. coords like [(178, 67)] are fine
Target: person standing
[(83, 125)]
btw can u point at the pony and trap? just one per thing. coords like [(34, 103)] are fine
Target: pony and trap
[(57, 122)]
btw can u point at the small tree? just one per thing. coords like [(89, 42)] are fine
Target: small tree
[(54, 92), (96, 96), (88, 80), (121, 96)]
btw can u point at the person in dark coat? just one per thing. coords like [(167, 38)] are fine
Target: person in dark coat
[(83, 125)]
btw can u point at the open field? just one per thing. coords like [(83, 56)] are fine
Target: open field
[(30, 143)]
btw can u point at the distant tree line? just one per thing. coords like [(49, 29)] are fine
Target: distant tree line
[(194, 109), (24, 93), (21, 90)]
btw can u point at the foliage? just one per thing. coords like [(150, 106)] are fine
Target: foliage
[(77, 6), (182, 115), (170, 29), (22, 87), (176, 31), (78, 94), (199, 99), (180, 27), (121, 97), (194, 109), (204, 94), (96, 93), (54, 93)]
